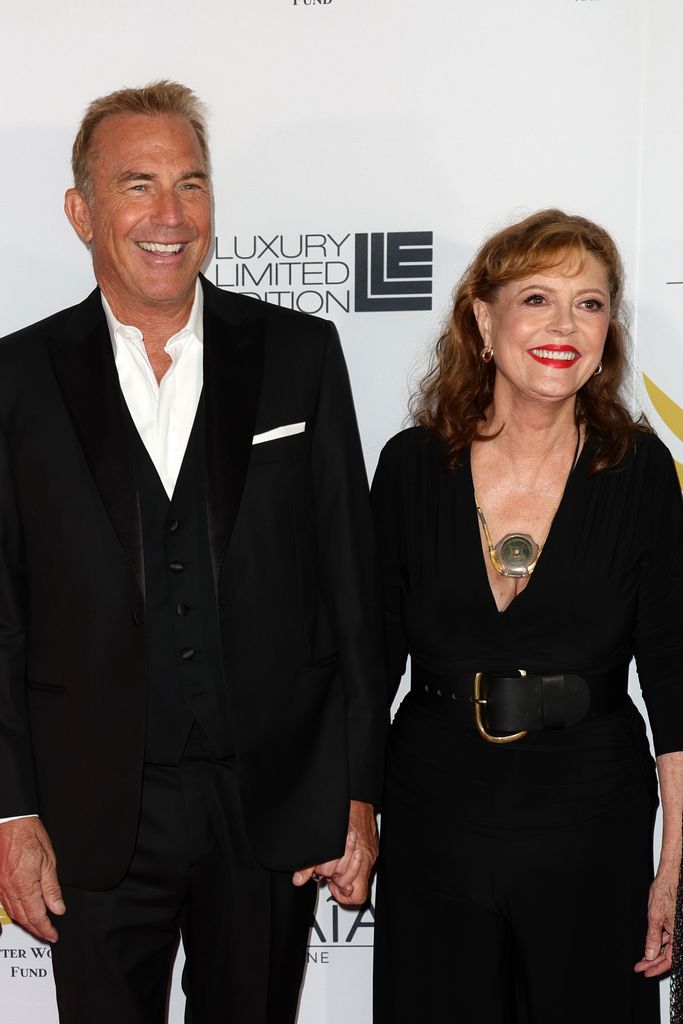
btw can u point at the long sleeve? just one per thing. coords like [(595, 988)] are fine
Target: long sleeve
[(346, 553), (386, 505), (658, 631), (18, 789)]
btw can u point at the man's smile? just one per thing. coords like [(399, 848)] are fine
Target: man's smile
[(160, 248)]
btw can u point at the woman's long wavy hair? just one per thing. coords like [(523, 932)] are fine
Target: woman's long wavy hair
[(457, 392)]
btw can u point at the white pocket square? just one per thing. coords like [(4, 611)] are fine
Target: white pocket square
[(277, 432)]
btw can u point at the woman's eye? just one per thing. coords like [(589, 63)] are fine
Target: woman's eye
[(593, 305), (534, 300)]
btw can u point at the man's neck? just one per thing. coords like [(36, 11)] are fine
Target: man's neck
[(157, 321)]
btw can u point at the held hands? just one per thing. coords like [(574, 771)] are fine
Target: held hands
[(660, 912), (348, 877), (28, 877)]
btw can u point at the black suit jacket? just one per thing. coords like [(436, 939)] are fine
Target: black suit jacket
[(293, 568)]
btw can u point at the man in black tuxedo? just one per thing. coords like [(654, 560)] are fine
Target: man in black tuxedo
[(191, 689)]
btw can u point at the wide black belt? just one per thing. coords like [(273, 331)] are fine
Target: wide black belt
[(505, 705)]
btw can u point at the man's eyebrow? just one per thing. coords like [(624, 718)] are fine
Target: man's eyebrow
[(202, 175), (136, 176), (146, 176)]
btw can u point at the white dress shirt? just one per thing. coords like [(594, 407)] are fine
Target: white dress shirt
[(164, 411)]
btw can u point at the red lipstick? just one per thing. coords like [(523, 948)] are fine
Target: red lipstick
[(560, 357)]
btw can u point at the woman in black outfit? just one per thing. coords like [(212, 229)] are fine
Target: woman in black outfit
[(531, 537)]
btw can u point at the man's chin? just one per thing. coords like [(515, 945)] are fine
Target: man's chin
[(161, 292)]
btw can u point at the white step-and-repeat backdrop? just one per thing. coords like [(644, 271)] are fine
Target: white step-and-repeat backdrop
[(349, 137)]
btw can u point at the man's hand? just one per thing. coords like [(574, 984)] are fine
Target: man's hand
[(660, 913), (28, 877), (348, 877)]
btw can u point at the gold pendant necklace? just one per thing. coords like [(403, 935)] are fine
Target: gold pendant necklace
[(516, 554)]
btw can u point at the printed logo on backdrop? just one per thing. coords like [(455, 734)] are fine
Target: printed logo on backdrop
[(366, 272), (20, 963), (336, 928), (670, 412)]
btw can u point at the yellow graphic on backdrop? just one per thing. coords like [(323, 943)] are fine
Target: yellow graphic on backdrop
[(671, 413), (4, 919)]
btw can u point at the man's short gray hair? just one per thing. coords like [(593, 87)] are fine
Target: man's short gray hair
[(162, 97)]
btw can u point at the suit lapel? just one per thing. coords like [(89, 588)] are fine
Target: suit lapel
[(233, 370), (83, 362)]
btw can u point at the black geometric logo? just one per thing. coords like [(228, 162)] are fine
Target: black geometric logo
[(394, 271)]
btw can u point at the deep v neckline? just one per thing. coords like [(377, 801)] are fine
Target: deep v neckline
[(554, 528)]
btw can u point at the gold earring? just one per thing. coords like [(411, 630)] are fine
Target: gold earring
[(598, 369), (486, 353)]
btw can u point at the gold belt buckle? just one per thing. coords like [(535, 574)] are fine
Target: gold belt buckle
[(479, 703)]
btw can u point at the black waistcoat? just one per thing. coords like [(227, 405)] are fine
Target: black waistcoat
[(186, 693)]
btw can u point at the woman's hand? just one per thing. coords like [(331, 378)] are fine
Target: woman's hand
[(661, 908), (348, 877), (661, 911)]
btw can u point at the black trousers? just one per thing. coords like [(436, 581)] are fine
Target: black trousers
[(244, 928), (528, 921)]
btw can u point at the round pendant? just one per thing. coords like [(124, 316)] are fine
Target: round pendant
[(517, 554)]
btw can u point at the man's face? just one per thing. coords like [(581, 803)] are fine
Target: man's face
[(148, 222)]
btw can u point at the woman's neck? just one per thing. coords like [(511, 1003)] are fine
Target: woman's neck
[(529, 431)]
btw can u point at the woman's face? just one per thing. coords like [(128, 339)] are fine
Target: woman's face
[(547, 331)]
